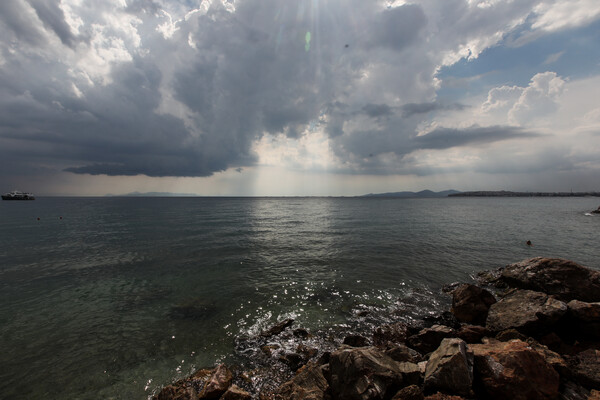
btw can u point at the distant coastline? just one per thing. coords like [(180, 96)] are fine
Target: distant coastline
[(504, 193), (415, 195)]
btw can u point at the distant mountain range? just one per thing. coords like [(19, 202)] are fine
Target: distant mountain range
[(408, 195)]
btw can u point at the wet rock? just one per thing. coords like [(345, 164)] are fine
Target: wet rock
[(428, 339), (526, 311), (307, 352), (217, 384), (446, 319), (236, 393), (356, 341), (301, 333), (269, 349), (277, 328), (564, 279), (471, 304), (403, 353), (411, 392), (585, 367), (472, 333), (391, 334), (450, 368), (293, 360), (596, 211), (513, 370), (308, 384), (366, 373)]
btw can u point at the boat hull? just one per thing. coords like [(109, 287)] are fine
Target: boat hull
[(18, 198)]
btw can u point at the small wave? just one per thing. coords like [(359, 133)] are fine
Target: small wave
[(589, 214)]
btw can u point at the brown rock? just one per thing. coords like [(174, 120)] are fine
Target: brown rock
[(365, 373), (594, 394), (584, 318), (471, 303), (552, 358), (586, 368), (472, 333), (236, 393), (308, 384), (394, 334), (513, 370), (510, 334), (564, 279), (218, 383), (527, 311), (411, 392), (428, 339), (450, 368)]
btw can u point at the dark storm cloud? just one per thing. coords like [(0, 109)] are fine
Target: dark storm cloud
[(444, 138), (411, 109), (377, 110), (398, 27), (53, 17), (14, 15)]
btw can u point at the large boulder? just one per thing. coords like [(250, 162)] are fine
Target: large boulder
[(513, 370), (527, 311), (308, 384), (471, 303), (177, 392), (450, 368), (429, 339), (366, 373), (564, 279)]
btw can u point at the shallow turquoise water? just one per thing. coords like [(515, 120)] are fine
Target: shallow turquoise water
[(123, 295)]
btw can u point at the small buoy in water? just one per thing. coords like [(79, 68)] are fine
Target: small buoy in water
[(38, 218), (529, 243), (60, 217)]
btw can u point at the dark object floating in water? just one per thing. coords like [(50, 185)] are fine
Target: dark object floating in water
[(597, 211), (16, 195), (529, 243)]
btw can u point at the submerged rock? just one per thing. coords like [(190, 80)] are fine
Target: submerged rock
[(526, 311), (277, 328), (513, 370), (450, 368), (564, 279), (471, 303)]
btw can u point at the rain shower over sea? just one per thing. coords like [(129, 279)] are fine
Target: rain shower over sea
[(121, 296)]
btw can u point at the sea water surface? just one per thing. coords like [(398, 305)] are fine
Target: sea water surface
[(113, 298)]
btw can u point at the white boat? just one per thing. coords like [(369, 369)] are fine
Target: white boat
[(16, 195)]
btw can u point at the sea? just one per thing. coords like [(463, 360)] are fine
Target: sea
[(116, 297)]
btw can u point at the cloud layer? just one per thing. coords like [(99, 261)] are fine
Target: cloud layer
[(178, 88)]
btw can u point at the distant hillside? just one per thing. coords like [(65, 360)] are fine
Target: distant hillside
[(155, 194), (504, 193), (409, 195)]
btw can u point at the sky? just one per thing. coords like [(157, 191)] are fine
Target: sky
[(302, 97)]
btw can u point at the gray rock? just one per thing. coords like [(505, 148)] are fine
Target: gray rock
[(564, 279), (450, 368), (526, 311)]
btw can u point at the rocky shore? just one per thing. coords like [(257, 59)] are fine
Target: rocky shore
[(529, 330)]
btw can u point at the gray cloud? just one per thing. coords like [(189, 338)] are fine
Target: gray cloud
[(53, 17), (444, 138), (410, 109)]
